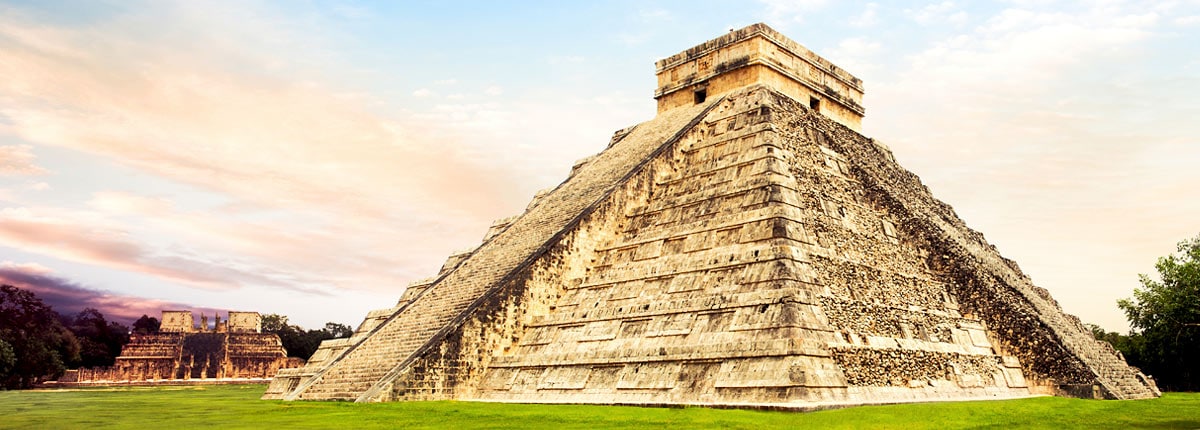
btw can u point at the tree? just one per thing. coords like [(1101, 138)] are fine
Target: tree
[(308, 341), (299, 342), (8, 358), (291, 336), (100, 341), (146, 325), (1166, 314), (41, 345), (1129, 345), (274, 323), (336, 331)]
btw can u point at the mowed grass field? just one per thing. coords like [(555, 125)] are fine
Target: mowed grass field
[(237, 406)]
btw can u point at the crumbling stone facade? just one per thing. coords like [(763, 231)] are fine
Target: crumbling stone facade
[(740, 249), (234, 349)]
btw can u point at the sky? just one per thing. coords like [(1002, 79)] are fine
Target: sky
[(311, 159)]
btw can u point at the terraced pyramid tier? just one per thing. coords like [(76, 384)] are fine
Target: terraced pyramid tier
[(746, 249)]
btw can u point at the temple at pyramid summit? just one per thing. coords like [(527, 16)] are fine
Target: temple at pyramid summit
[(745, 247)]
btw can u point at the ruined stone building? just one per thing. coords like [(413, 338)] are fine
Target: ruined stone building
[(747, 246), (232, 349)]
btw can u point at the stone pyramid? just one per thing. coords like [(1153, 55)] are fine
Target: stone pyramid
[(745, 247)]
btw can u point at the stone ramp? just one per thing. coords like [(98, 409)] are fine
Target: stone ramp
[(370, 365)]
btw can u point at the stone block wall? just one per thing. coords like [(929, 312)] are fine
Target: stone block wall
[(758, 55), (168, 356), (244, 322), (177, 322)]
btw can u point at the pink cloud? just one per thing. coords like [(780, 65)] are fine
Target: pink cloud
[(17, 160), (81, 241), (316, 185), (68, 297), (202, 119), (321, 254)]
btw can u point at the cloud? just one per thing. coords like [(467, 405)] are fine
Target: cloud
[(316, 258), (856, 54), (17, 160), (422, 93), (87, 239), (633, 39), (68, 297), (1017, 51), (262, 137), (1186, 21), (784, 12), (1007, 117), (351, 12), (253, 127), (124, 203), (555, 60), (937, 13), (655, 15), (868, 18)]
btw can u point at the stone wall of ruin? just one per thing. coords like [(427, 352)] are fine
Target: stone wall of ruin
[(177, 322), (244, 322), (188, 356)]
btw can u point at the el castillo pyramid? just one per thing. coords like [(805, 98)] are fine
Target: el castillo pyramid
[(746, 247)]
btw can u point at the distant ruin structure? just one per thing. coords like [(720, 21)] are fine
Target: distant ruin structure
[(185, 322), (746, 247), (232, 350)]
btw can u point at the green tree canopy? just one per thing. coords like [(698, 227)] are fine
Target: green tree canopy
[(335, 330), (146, 325), (1166, 314), (299, 342), (41, 345), (8, 358), (100, 340), (274, 323)]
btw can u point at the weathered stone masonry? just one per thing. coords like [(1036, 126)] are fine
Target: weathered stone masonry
[(741, 248), (235, 349)]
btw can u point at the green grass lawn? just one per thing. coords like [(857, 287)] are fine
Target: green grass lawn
[(237, 406)]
